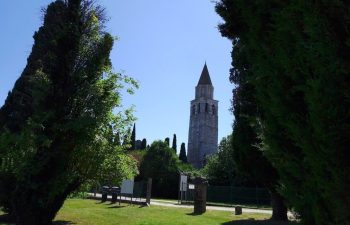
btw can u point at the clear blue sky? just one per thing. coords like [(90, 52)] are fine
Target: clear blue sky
[(162, 43)]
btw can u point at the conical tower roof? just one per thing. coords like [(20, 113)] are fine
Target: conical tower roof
[(205, 78)]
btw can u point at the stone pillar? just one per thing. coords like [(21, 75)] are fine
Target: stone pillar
[(238, 210), (200, 195), (149, 191)]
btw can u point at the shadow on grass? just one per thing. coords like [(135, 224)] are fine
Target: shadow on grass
[(6, 219), (62, 222), (105, 202), (144, 205), (257, 222), (193, 214), (116, 206)]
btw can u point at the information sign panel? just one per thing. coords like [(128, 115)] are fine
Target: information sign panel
[(127, 187)]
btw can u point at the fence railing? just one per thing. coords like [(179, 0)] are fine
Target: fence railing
[(140, 189), (257, 197)]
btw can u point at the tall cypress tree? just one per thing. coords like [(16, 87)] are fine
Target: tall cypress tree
[(133, 138), (174, 146), (296, 55), (182, 155), (56, 123), (246, 137)]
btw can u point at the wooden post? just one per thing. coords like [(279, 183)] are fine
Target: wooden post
[(149, 191), (238, 210)]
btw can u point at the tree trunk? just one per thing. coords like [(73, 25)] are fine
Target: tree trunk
[(35, 208), (279, 210)]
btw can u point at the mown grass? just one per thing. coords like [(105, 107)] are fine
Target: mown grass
[(90, 212)]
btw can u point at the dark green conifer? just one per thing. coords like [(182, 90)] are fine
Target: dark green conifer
[(182, 155), (246, 137), (133, 138), (167, 141), (56, 123), (295, 57), (144, 143), (174, 146)]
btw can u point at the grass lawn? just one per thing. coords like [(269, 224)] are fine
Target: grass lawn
[(90, 212)]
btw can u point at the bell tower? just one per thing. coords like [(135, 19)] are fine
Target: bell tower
[(203, 129)]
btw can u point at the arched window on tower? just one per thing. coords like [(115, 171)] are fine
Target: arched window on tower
[(199, 107), (193, 109), (206, 107), (213, 109)]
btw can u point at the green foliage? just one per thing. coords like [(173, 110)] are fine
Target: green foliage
[(295, 54), (133, 138), (250, 161), (144, 143), (126, 139), (182, 155), (138, 155), (116, 168), (174, 145), (57, 125), (161, 164), (78, 195), (220, 168), (117, 139), (167, 140)]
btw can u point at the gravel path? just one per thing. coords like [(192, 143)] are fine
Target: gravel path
[(231, 209)]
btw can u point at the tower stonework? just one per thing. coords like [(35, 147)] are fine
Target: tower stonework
[(203, 129)]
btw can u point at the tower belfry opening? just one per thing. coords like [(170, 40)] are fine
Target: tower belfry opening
[(203, 128)]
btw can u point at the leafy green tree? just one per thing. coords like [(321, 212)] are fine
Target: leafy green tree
[(117, 168), (117, 139), (56, 123), (161, 164), (296, 56), (144, 143), (182, 155), (126, 139), (220, 169), (174, 146)]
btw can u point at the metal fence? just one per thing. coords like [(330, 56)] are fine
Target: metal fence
[(258, 197), (140, 189), (186, 193)]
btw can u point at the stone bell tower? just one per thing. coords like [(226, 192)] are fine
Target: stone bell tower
[(203, 130)]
